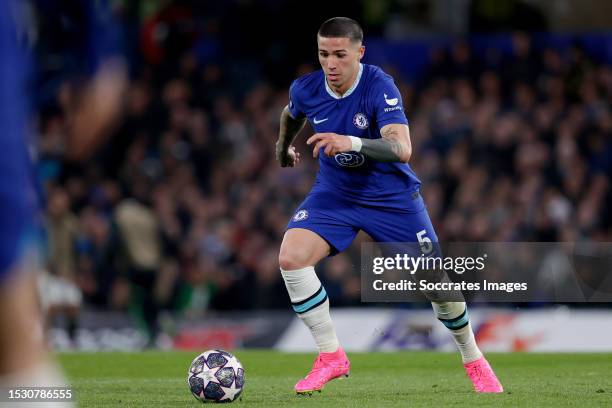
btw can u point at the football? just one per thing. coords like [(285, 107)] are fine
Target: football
[(215, 376)]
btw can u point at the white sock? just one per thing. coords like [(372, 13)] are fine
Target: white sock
[(455, 317), (310, 302)]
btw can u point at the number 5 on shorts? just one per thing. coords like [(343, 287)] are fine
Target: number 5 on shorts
[(424, 242)]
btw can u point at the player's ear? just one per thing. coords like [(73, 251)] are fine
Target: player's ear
[(361, 51)]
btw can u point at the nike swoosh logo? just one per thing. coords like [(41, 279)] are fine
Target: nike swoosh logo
[(316, 122)]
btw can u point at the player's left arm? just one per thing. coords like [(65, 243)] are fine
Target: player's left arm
[(393, 146)]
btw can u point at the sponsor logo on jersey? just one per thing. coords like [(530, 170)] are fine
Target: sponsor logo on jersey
[(316, 122), (393, 108), (300, 215), (391, 102), (360, 120), (350, 159)]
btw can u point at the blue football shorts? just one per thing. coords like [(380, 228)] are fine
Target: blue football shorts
[(338, 220)]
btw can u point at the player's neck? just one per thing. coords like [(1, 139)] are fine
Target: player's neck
[(340, 91)]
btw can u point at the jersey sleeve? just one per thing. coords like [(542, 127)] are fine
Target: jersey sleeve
[(387, 103), (295, 104)]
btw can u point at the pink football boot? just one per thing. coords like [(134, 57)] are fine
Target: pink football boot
[(482, 376), (326, 367)]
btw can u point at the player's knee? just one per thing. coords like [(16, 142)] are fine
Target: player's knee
[(289, 259)]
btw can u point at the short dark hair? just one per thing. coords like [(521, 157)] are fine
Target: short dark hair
[(341, 27)]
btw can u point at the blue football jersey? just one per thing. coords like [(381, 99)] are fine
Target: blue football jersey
[(372, 102), (17, 194)]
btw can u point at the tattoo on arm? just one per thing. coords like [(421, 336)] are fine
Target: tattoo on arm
[(289, 129), (386, 149)]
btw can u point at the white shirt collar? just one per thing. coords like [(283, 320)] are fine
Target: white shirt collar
[(349, 91)]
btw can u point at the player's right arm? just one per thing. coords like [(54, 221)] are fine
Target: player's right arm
[(292, 120), (289, 129)]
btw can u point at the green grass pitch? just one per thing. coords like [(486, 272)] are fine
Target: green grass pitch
[(407, 379)]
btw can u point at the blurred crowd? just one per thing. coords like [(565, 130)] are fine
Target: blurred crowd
[(517, 149), (185, 207)]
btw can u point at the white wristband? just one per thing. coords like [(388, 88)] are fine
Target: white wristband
[(356, 143)]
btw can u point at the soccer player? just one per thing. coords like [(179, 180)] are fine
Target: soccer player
[(24, 358), (364, 183)]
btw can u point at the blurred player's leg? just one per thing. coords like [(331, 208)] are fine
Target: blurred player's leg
[(300, 251), (21, 325), (24, 358)]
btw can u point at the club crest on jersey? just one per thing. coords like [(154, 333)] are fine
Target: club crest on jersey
[(300, 215), (351, 159), (360, 120)]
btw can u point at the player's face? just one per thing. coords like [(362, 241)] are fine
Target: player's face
[(339, 58)]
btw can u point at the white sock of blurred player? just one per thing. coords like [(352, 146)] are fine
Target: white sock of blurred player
[(455, 317), (310, 302)]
